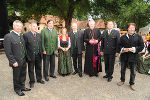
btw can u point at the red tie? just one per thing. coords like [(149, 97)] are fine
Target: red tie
[(35, 35)]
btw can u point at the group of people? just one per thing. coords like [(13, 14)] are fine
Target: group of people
[(32, 47)]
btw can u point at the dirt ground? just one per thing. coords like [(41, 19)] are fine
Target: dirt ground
[(74, 88)]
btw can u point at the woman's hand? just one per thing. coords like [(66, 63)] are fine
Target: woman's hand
[(67, 48), (64, 49), (143, 56)]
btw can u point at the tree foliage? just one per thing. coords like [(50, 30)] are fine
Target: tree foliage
[(65, 9), (123, 11)]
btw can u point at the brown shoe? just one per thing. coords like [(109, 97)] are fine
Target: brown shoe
[(132, 87), (120, 83)]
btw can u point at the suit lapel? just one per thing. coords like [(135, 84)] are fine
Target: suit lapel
[(31, 34), (77, 35), (15, 37), (112, 32)]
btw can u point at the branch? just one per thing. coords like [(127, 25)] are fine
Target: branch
[(55, 4)]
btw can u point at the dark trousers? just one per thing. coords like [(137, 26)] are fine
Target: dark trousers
[(19, 76), (37, 64), (132, 66), (75, 56), (46, 60), (109, 64)]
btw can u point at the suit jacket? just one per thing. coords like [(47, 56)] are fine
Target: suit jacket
[(30, 43), (49, 40), (110, 44), (136, 42), (13, 48), (79, 39)]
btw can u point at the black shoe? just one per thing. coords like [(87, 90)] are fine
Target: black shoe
[(105, 76), (96, 75), (53, 76), (46, 79), (75, 73), (41, 81), (63, 75), (109, 80), (20, 93), (32, 85), (25, 89), (90, 75), (80, 74)]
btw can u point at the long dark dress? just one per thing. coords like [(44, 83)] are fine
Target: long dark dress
[(92, 63), (144, 65), (64, 58)]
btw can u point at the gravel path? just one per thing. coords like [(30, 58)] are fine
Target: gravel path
[(74, 88)]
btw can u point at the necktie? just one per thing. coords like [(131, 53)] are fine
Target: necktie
[(35, 35), (75, 39)]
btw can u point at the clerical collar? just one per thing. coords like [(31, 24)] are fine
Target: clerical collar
[(16, 33)]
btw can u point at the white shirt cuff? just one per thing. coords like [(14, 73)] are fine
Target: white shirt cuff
[(121, 50), (134, 50)]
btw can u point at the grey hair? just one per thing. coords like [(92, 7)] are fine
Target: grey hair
[(32, 23), (17, 21)]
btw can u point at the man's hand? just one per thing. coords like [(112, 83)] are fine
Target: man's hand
[(131, 49), (96, 41), (91, 42), (44, 52), (125, 50), (15, 64)]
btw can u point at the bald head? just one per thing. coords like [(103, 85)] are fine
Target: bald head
[(74, 26)]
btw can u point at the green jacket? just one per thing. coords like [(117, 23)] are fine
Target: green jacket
[(49, 40)]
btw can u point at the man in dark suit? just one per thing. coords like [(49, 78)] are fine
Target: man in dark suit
[(109, 47), (15, 50), (130, 45), (34, 54), (76, 48)]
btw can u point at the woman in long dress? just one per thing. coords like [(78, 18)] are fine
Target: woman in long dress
[(64, 58), (144, 64), (92, 37)]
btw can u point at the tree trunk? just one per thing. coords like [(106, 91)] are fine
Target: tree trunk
[(68, 24), (68, 18)]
